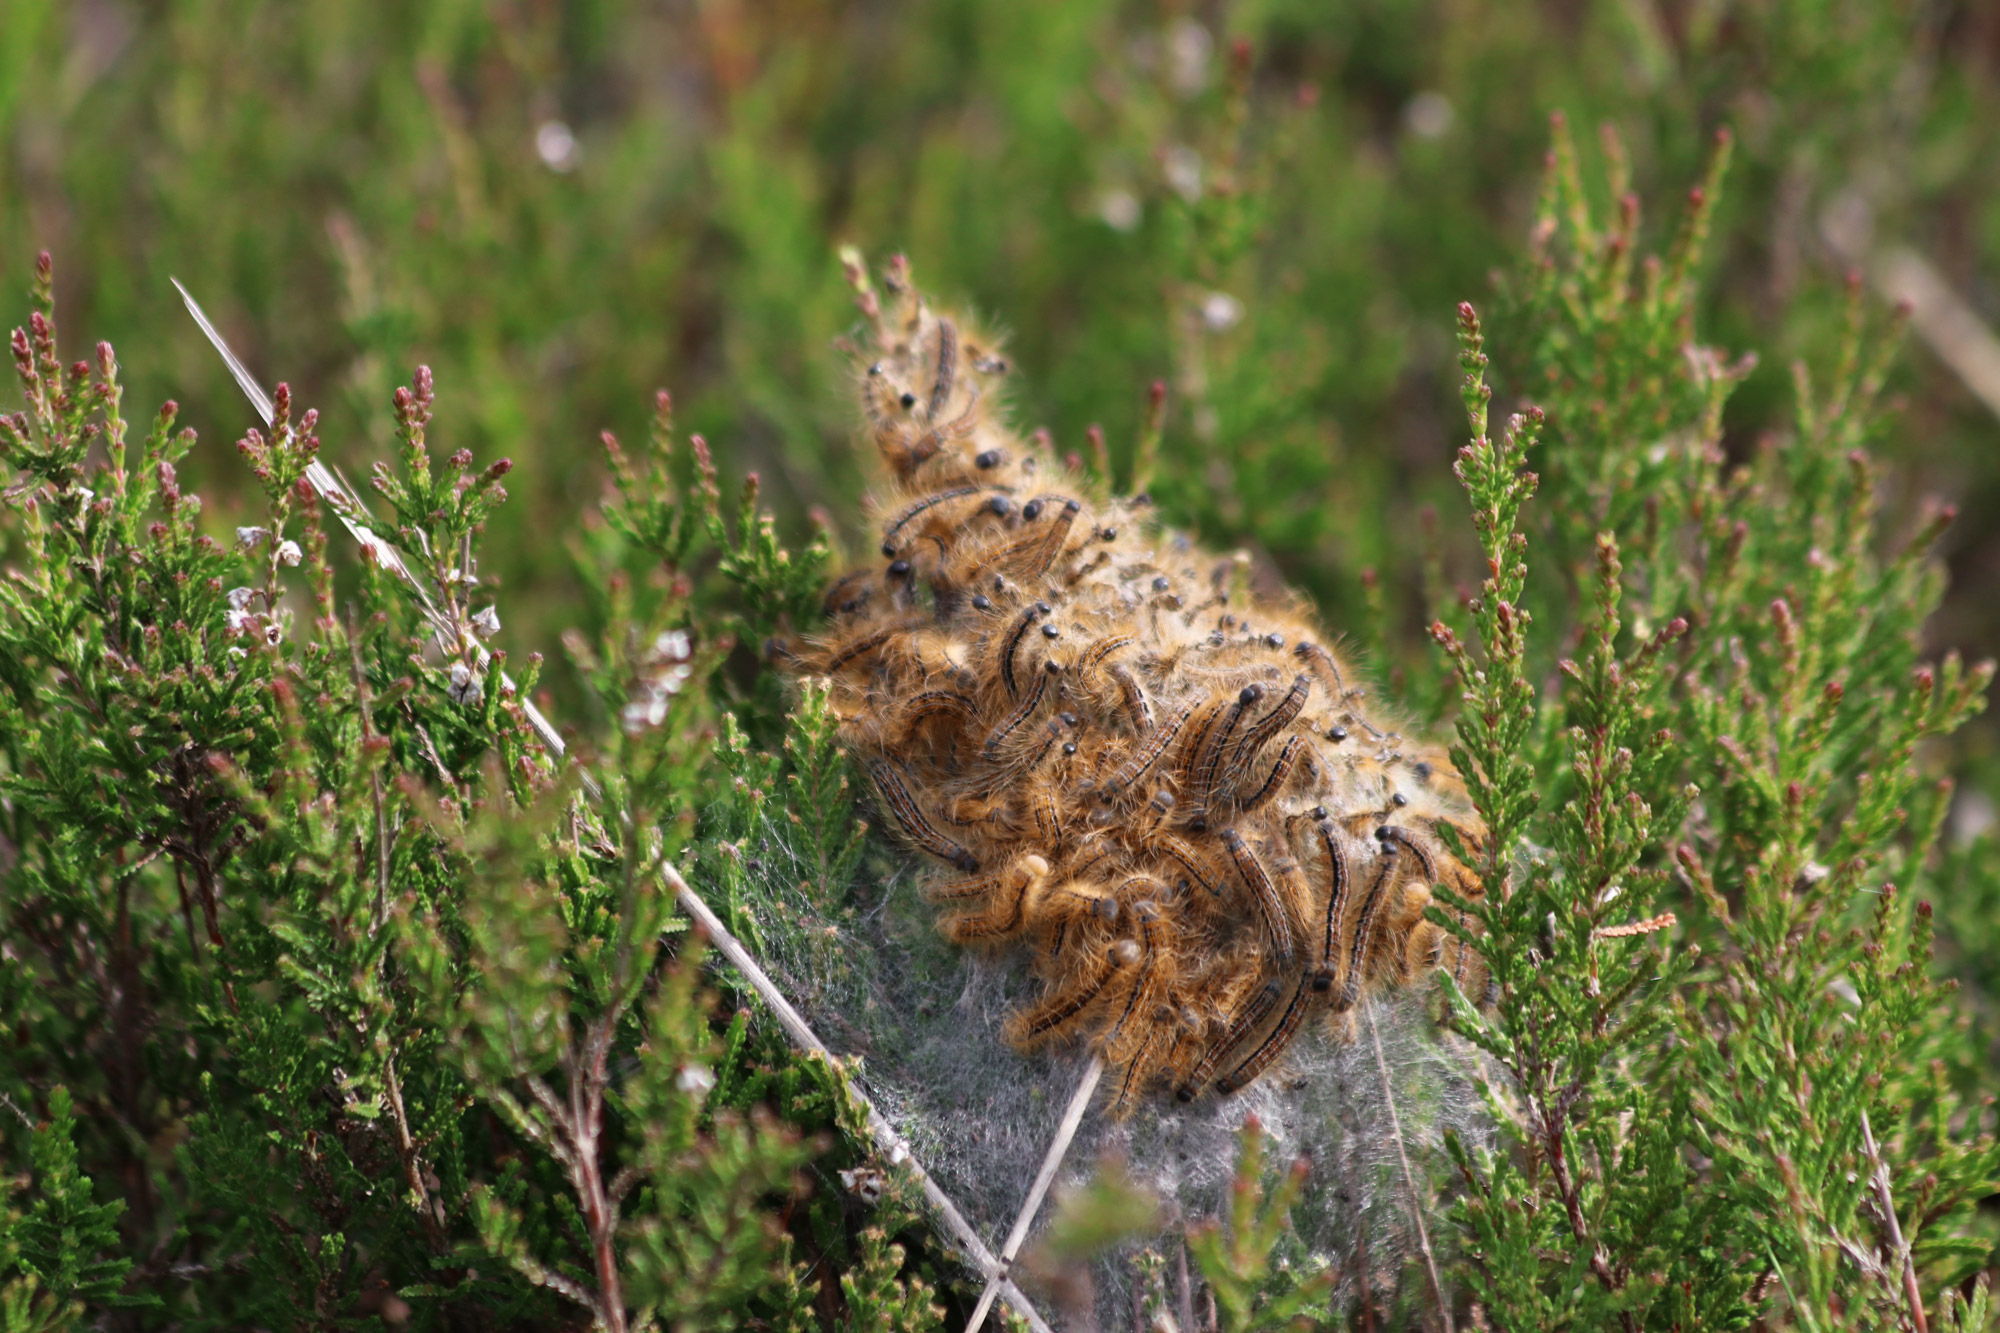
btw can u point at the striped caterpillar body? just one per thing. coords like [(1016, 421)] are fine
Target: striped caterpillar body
[(1164, 791)]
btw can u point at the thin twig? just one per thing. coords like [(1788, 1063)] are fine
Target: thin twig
[(1409, 1176), (25, 1118), (412, 1158), (1881, 1182), (1052, 1162)]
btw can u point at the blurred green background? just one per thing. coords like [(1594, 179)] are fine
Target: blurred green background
[(1272, 206)]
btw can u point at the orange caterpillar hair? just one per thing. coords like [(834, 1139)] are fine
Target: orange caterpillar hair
[(1167, 792)]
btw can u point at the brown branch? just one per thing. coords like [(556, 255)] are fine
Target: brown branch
[(413, 1163), (187, 910), (1571, 1196), (600, 1211)]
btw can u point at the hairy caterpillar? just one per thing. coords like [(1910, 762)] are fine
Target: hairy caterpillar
[(1162, 788)]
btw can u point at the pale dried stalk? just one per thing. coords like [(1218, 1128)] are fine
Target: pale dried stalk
[(891, 1144), (1880, 1179), (1052, 1162), (1952, 328), (1409, 1176)]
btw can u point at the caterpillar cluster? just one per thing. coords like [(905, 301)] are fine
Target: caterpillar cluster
[(1167, 792)]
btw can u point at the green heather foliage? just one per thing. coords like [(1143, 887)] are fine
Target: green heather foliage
[(1746, 764), (330, 999), (369, 1013)]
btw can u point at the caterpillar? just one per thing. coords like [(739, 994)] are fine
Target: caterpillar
[(1230, 843)]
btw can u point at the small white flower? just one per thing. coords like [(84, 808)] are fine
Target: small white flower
[(274, 631), (486, 623), (1182, 166), (555, 144), (1429, 115), (694, 1079), (1120, 210), (237, 621), (249, 539), (464, 687), (239, 598), (1221, 311), (289, 553), (663, 673), (454, 575), (864, 1183), (644, 712)]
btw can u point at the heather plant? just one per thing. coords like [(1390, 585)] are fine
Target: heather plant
[(1716, 1007), (374, 1019)]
